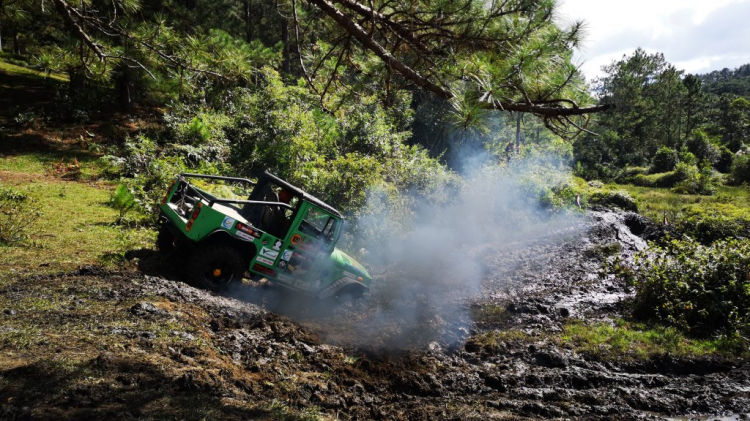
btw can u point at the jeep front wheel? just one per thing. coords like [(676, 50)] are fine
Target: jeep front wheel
[(215, 268)]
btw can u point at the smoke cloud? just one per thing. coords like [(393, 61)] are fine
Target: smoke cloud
[(429, 260), (427, 275)]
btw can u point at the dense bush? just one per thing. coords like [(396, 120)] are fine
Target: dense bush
[(740, 169), (701, 289), (726, 158), (282, 128), (638, 176), (627, 174), (701, 146), (664, 160), (710, 226), (18, 212), (696, 182)]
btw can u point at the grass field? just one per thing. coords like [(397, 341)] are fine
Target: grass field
[(76, 227), (731, 201)]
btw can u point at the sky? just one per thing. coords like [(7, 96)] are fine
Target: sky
[(697, 36)]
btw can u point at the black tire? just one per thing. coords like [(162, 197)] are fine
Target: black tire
[(165, 240), (215, 268), (351, 292)]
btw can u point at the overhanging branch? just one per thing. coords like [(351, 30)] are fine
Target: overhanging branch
[(548, 109)]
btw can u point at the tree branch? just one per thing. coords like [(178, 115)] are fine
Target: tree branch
[(542, 108)]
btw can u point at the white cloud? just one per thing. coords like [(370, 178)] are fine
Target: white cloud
[(694, 35)]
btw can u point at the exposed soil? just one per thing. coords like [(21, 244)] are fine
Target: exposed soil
[(127, 345)]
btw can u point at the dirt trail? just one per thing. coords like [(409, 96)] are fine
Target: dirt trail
[(374, 360)]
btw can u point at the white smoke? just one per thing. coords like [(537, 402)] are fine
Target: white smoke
[(425, 278)]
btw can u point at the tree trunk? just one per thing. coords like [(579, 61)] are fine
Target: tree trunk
[(518, 132), (75, 85), (285, 39), (248, 20), (16, 43), (123, 89), (1, 28)]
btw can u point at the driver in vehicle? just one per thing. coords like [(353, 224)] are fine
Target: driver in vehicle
[(281, 218)]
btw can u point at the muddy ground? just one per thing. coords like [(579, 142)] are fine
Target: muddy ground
[(99, 344)]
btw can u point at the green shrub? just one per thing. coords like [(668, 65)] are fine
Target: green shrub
[(687, 157), (626, 175), (700, 289), (711, 226), (740, 169), (620, 199), (701, 146), (18, 212), (726, 158), (644, 180), (696, 182), (122, 200), (664, 160)]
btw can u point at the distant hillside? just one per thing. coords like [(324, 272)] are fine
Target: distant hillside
[(735, 81)]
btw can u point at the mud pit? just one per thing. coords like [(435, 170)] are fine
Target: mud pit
[(404, 352)]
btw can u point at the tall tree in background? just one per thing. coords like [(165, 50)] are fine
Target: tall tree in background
[(695, 104), (647, 93)]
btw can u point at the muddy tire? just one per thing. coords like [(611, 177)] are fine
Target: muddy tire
[(165, 240), (215, 268), (351, 292)]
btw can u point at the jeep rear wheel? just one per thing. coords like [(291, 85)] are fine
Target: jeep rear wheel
[(215, 268), (351, 292), (165, 240)]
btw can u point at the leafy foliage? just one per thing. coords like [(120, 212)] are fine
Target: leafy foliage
[(620, 199), (660, 110), (697, 288), (741, 169), (664, 160), (122, 200)]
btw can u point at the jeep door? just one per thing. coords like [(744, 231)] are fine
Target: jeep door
[(304, 259)]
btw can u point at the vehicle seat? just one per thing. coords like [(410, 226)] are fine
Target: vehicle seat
[(258, 214)]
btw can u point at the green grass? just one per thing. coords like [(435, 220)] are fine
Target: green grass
[(619, 341), (44, 162), (653, 202), (635, 341), (76, 227), (15, 70)]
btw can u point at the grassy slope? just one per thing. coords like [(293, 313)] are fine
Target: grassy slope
[(654, 202), (14, 70), (76, 227)]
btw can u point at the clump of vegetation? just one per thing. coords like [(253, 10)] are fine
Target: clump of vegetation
[(699, 289), (628, 340), (740, 170), (122, 200), (664, 160), (709, 226), (18, 212), (620, 199), (696, 181)]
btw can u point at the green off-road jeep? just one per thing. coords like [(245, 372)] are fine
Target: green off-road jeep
[(279, 233)]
